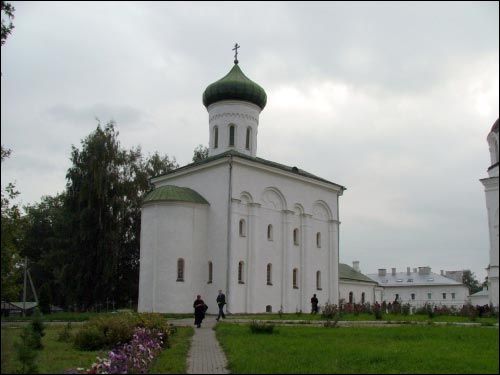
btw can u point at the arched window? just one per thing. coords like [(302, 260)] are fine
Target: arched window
[(210, 272), (216, 136), (295, 275), (363, 297), (351, 297), (232, 130), (240, 272), (269, 274), (318, 280), (243, 228), (296, 236), (413, 296), (318, 240), (269, 232), (249, 134), (180, 269), (269, 308)]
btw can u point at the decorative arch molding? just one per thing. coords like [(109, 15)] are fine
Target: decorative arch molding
[(234, 115), (273, 198), (298, 209), (246, 197), (321, 210)]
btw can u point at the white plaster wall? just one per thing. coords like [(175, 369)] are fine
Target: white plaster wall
[(149, 231), (461, 294), (479, 300), (491, 192), (181, 232), (357, 288), (242, 115), (296, 210)]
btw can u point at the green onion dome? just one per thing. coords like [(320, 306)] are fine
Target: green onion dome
[(171, 193), (235, 86)]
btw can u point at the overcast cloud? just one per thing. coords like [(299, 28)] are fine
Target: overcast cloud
[(392, 100)]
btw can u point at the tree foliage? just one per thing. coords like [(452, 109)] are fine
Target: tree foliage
[(470, 281), (200, 153), (7, 26)]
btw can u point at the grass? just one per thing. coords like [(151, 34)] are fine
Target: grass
[(364, 317), (173, 359), (406, 349), (79, 316), (54, 358)]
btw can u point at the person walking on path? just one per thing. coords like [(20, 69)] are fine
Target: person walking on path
[(199, 311), (314, 304), (221, 301)]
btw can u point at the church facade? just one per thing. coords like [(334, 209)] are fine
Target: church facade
[(267, 234), (491, 191)]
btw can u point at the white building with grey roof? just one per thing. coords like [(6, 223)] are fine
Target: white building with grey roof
[(420, 286)]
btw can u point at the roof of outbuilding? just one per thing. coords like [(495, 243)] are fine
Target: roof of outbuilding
[(494, 128), (235, 86), (171, 193), (348, 273), (294, 170), (403, 279), (480, 293)]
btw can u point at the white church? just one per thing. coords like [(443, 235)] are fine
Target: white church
[(267, 234), (491, 191)]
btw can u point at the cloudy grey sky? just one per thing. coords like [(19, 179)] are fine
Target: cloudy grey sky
[(392, 100)]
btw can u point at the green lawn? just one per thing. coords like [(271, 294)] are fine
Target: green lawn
[(54, 358), (406, 349), (173, 359), (80, 316), (364, 317)]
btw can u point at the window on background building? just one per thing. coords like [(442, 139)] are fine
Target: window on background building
[(396, 298), (295, 277), (318, 280), (452, 295), (269, 232), (180, 269), (231, 135), (351, 297), (318, 239), (240, 272), (269, 274), (210, 272), (216, 136), (429, 295), (444, 295), (296, 236), (413, 296), (249, 134), (363, 297), (243, 228), (269, 308)]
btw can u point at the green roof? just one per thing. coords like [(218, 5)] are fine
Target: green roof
[(171, 193), (294, 170), (235, 85), (347, 272)]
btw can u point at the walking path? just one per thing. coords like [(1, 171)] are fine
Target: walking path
[(205, 355)]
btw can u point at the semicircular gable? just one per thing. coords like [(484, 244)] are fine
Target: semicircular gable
[(321, 210), (246, 197), (298, 209), (273, 198)]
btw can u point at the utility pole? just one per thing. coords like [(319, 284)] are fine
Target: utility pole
[(32, 287), (24, 290)]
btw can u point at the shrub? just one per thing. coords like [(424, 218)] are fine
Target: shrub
[(65, 334), (25, 350), (377, 311), (261, 327), (90, 338), (332, 315), (37, 323), (156, 322), (405, 309)]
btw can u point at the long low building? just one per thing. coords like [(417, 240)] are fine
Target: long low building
[(354, 287), (419, 287)]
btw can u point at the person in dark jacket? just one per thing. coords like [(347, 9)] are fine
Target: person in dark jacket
[(221, 301), (314, 304), (199, 311)]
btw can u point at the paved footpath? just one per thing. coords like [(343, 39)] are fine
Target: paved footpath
[(205, 355)]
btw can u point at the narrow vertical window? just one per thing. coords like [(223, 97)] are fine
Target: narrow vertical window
[(270, 232), (444, 295), (269, 274), (429, 295), (296, 236), (231, 135), (243, 229), (363, 297), (318, 280), (216, 137), (249, 134), (210, 272), (295, 275), (413, 296), (318, 240), (351, 297), (452, 295), (180, 269), (240, 272)]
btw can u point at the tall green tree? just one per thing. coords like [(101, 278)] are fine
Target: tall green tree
[(470, 281), (200, 153)]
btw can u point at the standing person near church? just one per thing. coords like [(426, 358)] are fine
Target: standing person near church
[(199, 310), (221, 301), (314, 304)]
